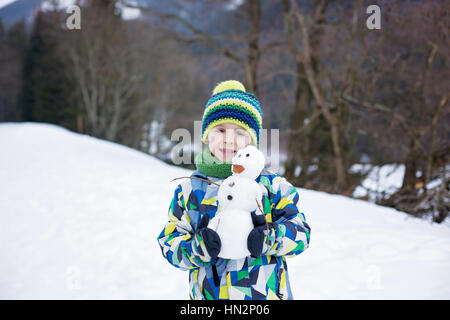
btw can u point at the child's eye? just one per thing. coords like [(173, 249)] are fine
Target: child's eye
[(222, 130), (241, 132)]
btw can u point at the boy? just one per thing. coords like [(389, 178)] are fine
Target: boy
[(232, 120)]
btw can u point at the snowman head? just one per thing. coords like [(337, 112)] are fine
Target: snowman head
[(248, 162), (239, 193)]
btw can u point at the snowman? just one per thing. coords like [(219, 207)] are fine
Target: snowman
[(238, 196)]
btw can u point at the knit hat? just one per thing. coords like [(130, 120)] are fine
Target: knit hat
[(230, 103)]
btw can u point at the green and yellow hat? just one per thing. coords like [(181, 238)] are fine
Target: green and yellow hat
[(230, 103)]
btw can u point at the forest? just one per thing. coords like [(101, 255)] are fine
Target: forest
[(346, 98)]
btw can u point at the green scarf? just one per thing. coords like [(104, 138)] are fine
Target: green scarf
[(208, 164)]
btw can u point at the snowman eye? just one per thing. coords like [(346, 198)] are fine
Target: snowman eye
[(230, 197), (239, 156), (247, 155)]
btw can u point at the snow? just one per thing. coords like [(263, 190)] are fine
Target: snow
[(4, 3), (380, 180), (126, 13), (234, 4), (129, 13), (49, 5), (79, 218)]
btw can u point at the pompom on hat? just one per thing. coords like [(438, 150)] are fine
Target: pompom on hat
[(230, 103)]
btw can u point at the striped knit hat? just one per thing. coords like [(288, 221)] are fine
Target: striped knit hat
[(231, 104)]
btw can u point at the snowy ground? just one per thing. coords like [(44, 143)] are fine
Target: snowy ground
[(79, 219)]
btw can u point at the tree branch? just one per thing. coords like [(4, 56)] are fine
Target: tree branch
[(202, 35)]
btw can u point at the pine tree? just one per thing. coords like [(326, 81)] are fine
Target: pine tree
[(12, 43), (45, 95)]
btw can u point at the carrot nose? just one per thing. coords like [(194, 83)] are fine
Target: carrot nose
[(237, 168)]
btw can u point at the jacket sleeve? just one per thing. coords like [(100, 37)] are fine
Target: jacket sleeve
[(289, 234), (180, 244)]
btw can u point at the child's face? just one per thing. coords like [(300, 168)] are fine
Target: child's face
[(225, 139)]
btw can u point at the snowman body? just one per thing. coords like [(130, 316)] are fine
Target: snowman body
[(238, 196), (234, 245)]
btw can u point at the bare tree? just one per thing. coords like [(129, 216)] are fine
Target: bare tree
[(410, 89), (110, 72), (247, 60), (316, 88)]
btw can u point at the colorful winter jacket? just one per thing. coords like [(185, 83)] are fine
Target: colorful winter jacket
[(265, 277)]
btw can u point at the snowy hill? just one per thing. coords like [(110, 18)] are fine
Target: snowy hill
[(79, 219)]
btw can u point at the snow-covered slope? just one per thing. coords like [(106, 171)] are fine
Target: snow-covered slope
[(79, 219), (4, 3)]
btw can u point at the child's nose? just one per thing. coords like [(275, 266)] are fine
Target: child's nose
[(229, 136)]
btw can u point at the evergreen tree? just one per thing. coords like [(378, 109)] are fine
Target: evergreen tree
[(45, 95), (12, 44)]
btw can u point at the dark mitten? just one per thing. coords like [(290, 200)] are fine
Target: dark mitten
[(255, 239), (258, 219), (210, 238)]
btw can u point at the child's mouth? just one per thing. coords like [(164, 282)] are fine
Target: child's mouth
[(227, 151)]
